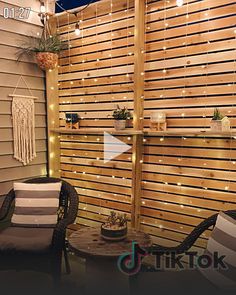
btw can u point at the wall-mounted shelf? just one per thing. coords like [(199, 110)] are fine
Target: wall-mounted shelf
[(190, 132), (96, 131), (179, 132)]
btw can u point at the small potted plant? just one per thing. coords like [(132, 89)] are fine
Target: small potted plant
[(219, 122), (45, 49), (115, 229), (121, 115)]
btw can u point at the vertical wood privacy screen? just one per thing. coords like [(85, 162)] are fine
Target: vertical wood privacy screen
[(148, 56)]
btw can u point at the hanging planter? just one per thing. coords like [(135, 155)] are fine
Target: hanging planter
[(47, 60), (45, 49)]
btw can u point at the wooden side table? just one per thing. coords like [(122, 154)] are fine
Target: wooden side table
[(102, 273)]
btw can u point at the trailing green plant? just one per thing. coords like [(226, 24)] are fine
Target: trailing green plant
[(217, 115), (121, 114), (46, 43)]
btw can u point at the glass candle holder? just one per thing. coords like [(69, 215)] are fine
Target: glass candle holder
[(158, 117)]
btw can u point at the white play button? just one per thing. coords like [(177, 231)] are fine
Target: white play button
[(113, 147)]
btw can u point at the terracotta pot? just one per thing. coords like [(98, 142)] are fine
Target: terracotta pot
[(120, 124), (216, 125), (47, 60)]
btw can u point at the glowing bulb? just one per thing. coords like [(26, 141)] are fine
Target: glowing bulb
[(52, 139), (179, 3), (77, 30), (42, 8)]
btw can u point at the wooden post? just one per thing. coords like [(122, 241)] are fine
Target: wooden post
[(139, 39), (53, 115), (138, 111)]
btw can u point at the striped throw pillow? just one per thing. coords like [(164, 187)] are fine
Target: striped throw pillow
[(222, 242), (36, 205)]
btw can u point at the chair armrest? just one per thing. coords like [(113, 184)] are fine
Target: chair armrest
[(192, 237), (4, 210), (189, 240), (59, 233)]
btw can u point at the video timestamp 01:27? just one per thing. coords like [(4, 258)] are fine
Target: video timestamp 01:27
[(16, 12)]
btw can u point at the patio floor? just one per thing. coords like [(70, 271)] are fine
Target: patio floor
[(34, 283)]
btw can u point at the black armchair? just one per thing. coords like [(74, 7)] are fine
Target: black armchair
[(38, 248), (193, 236), (186, 281)]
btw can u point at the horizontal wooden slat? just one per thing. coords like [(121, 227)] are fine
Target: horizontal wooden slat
[(29, 171), (6, 134), (10, 80), (6, 121), (9, 66), (32, 19), (19, 27), (6, 108), (6, 148), (9, 162)]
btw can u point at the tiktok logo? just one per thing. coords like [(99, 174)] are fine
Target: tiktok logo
[(130, 263)]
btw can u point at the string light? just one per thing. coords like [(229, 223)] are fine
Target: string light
[(77, 29), (42, 8), (179, 3)]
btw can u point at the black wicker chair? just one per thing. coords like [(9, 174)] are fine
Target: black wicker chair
[(50, 260), (177, 282), (193, 236)]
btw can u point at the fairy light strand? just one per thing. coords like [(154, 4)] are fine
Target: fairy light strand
[(205, 93)]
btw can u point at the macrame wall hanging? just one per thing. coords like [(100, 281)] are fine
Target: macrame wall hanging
[(23, 118)]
